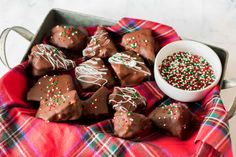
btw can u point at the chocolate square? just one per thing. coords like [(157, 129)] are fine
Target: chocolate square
[(141, 42), (69, 37), (60, 108), (96, 106), (130, 124), (48, 86), (100, 45), (175, 118), (45, 58), (92, 74), (130, 68), (127, 99)]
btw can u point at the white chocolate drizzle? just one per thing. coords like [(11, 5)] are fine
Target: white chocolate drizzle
[(128, 95), (128, 61), (89, 74), (54, 56), (93, 46)]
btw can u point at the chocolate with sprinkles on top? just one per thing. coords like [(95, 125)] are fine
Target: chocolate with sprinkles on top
[(187, 71)]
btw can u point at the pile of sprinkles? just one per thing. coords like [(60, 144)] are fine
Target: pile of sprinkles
[(187, 71)]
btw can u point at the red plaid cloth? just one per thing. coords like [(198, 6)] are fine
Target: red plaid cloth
[(21, 134)]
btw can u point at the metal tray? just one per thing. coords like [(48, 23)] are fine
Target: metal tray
[(60, 16)]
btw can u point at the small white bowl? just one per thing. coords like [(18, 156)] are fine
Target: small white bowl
[(194, 48)]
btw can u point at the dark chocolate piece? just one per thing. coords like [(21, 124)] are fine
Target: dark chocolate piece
[(60, 107), (45, 58), (127, 99), (92, 74), (100, 45), (176, 118), (97, 105), (141, 42), (69, 37), (130, 125), (130, 68), (48, 86)]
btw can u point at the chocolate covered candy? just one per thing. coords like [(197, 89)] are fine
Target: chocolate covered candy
[(130, 125), (60, 107), (130, 68), (92, 74), (49, 86), (100, 45), (127, 99), (141, 42), (69, 37), (175, 118), (45, 58), (96, 106)]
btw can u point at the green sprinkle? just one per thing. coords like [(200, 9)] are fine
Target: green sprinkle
[(133, 46)]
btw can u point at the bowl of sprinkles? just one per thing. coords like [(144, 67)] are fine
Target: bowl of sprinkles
[(187, 70)]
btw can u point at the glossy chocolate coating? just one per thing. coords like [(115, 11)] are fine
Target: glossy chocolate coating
[(130, 124), (45, 58), (48, 86), (100, 45), (129, 68), (69, 37), (141, 42), (92, 74), (176, 118), (127, 99), (61, 108)]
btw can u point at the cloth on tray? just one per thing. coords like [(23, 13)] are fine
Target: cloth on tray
[(21, 134)]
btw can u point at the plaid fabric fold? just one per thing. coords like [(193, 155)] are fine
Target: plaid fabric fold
[(214, 130), (21, 134)]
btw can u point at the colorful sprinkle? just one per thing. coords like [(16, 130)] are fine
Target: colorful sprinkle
[(187, 71)]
